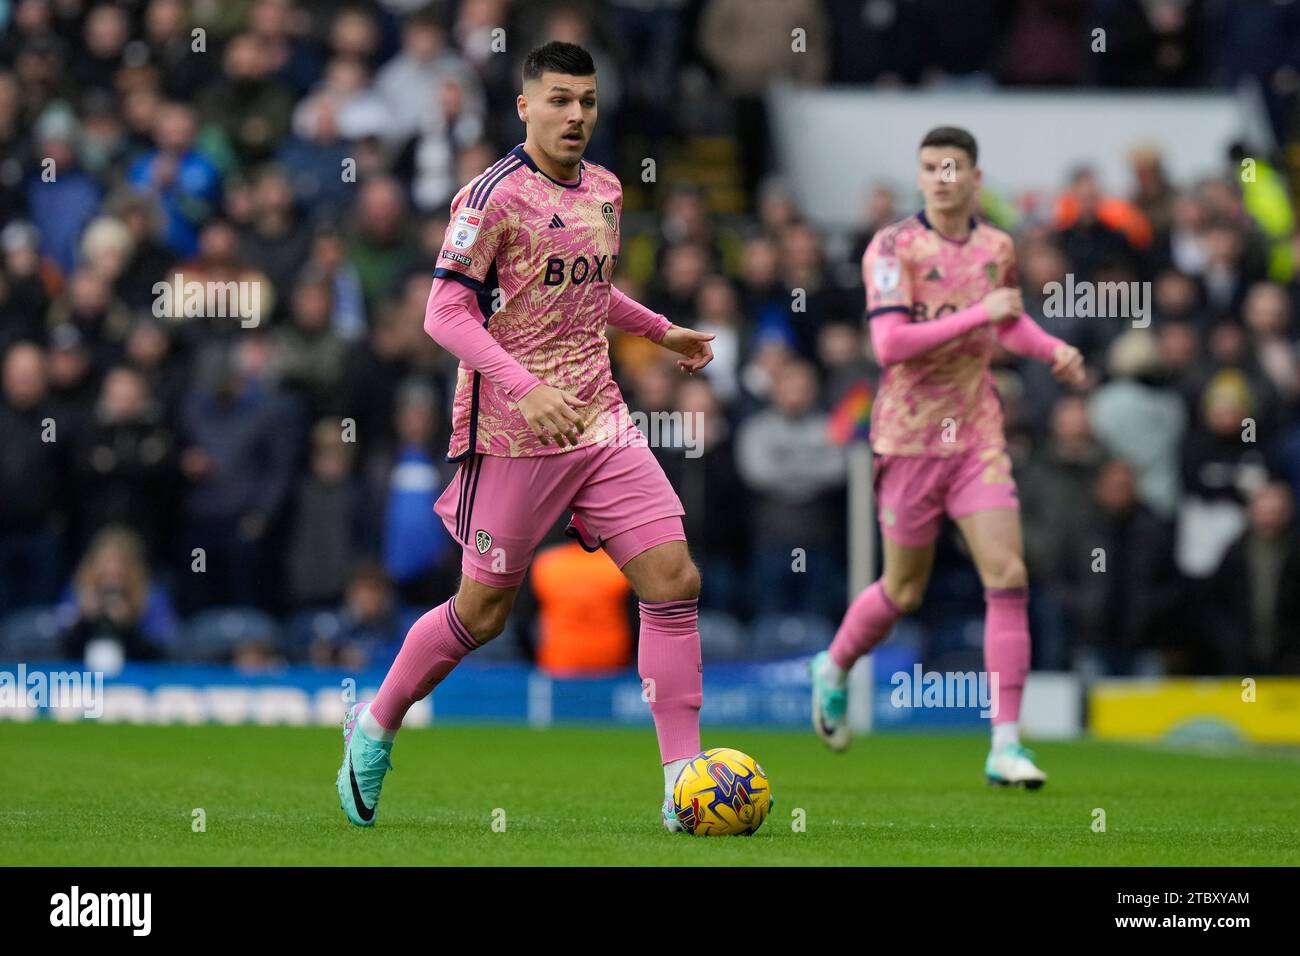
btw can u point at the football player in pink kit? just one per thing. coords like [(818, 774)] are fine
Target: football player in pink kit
[(941, 287), (522, 295)]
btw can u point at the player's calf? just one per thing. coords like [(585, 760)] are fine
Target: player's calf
[(434, 645), (867, 622), (671, 672)]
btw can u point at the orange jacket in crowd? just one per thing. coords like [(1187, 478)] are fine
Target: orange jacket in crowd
[(1118, 214), (582, 609)]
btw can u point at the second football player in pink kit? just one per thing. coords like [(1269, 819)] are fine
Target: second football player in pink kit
[(522, 295), (942, 286)]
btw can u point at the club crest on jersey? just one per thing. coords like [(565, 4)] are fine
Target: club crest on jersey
[(482, 541), (886, 273), (991, 270), (465, 229), (611, 220)]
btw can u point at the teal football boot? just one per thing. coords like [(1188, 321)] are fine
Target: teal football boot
[(365, 761)]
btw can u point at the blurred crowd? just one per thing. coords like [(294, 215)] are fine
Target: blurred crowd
[(156, 466)]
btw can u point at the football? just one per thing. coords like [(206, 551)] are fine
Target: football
[(722, 792)]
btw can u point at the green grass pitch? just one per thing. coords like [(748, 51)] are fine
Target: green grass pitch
[(87, 794)]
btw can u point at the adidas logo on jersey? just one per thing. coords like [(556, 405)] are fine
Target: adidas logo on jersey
[(556, 222)]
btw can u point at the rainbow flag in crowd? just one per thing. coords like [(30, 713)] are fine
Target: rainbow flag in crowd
[(851, 417)]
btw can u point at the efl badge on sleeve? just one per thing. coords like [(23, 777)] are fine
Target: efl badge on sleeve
[(611, 220), (886, 274), (466, 228)]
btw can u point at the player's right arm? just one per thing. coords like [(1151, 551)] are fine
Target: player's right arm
[(630, 316), (453, 320), (894, 336), (635, 319), (1024, 337), (1021, 335)]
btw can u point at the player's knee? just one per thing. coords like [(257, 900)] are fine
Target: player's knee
[(484, 617), (682, 583), (1008, 572), (688, 582), (488, 623), (678, 581), (905, 595)]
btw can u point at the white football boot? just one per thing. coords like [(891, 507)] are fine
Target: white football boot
[(1013, 766), (830, 707), (668, 813)]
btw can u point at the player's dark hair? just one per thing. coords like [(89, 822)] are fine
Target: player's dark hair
[(557, 57), (952, 136)]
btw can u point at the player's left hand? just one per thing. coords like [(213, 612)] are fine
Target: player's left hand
[(1067, 365), (691, 344)]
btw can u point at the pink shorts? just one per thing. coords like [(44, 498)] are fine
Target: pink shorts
[(500, 509), (914, 492)]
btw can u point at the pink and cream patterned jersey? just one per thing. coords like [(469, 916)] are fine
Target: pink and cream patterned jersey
[(943, 401), (540, 253)]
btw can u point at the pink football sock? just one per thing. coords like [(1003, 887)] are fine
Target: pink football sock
[(865, 625), (1006, 647), (672, 675), (434, 645)]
